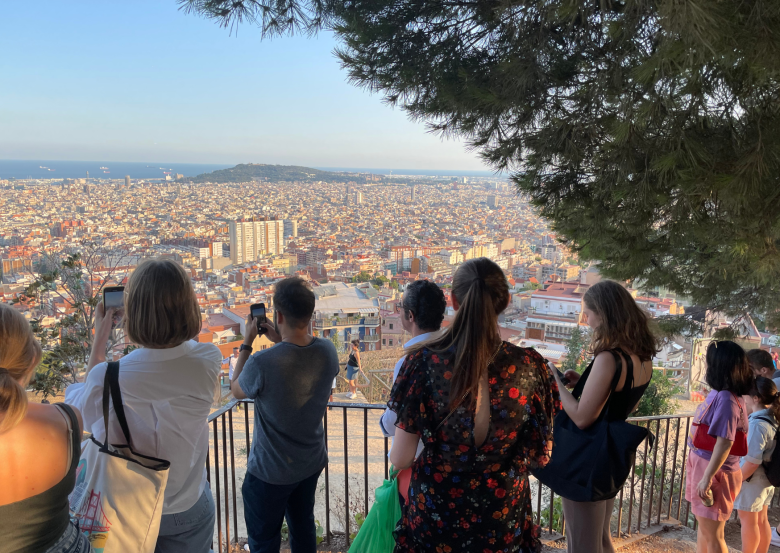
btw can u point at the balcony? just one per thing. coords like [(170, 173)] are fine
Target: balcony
[(372, 321), (370, 338), (556, 314), (358, 463), (320, 324)]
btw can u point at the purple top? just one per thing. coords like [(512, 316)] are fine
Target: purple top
[(725, 416)]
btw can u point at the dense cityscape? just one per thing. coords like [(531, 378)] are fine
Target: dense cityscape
[(360, 239)]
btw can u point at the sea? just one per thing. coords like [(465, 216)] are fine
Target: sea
[(418, 172), (53, 169)]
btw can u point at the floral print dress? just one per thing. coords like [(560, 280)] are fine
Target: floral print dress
[(467, 498)]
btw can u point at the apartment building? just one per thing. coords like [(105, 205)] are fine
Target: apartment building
[(250, 239), (350, 311), (555, 311)]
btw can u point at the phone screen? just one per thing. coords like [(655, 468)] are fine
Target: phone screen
[(258, 313), (114, 299)]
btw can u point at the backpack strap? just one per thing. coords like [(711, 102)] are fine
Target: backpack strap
[(772, 423)]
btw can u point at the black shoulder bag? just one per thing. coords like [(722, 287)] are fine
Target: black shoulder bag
[(594, 463)]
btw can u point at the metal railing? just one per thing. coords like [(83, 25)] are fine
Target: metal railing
[(370, 338), (653, 493)]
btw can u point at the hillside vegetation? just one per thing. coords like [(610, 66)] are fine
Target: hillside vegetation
[(247, 172)]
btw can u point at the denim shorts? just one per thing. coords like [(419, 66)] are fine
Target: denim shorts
[(72, 541), (351, 372)]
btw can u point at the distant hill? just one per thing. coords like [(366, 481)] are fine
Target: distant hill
[(246, 172)]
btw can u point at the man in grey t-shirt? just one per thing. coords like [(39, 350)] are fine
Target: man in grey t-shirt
[(290, 385)]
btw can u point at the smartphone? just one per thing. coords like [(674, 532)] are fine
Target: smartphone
[(113, 296), (564, 380), (257, 310)]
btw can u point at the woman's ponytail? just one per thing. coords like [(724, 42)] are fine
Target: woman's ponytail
[(766, 391), (13, 401), (20, 353), (481, 288)]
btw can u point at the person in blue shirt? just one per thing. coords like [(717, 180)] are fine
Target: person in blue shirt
[(423, 305)]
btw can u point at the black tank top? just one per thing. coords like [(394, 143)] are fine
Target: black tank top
[(352, 360), (622, 402), (34, 524)]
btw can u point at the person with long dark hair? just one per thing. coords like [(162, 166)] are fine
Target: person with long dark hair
[(713, 477), (483, 409), (618, 325)]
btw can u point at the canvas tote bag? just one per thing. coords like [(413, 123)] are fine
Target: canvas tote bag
[(118, 496)]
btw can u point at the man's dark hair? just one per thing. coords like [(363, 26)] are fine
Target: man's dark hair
[(295, 300), (235, 349), (760, 359), (426, 300), (728, 369)]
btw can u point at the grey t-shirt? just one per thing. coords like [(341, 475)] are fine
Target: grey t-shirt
[(290, 385)]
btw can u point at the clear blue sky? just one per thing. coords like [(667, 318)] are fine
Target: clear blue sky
[(139, 80)]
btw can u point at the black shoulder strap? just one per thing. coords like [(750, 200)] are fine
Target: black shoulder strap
[(111, 386), (629, 383), (773, 423), (615, 382), (618, 370), (75, 434)]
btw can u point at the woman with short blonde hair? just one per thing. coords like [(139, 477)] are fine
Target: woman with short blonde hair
[(168, 386), (39, 452)]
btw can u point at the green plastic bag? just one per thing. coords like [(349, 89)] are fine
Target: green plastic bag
[(376, 533)]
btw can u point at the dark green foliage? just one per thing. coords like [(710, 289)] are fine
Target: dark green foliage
[(576, 347), (380, 280), (658, 399), (644, 130), (274, 173), (336, 339), (362, 276), (48, 379)]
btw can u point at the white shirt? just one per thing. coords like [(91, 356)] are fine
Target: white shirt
[(233, 359), (387, 421), (167, 395)]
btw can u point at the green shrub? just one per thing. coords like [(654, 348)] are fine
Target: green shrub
[(658, 399)]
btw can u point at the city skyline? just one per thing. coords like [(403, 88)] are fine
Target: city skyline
[(145, 81)]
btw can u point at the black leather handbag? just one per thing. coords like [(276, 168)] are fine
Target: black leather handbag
[(594, 463)]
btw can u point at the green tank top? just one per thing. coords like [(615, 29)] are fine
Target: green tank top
[(34, 524)]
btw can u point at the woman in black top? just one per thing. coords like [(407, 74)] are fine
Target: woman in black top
[(618, 325), (40, 447)]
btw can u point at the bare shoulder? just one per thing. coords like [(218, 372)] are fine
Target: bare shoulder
[(47, 418), (604, 362), (43, 430), (39, 454)]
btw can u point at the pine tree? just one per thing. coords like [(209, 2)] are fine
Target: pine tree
[(644, 130)]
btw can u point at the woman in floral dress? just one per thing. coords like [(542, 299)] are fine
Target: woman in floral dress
[(484, 411)]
